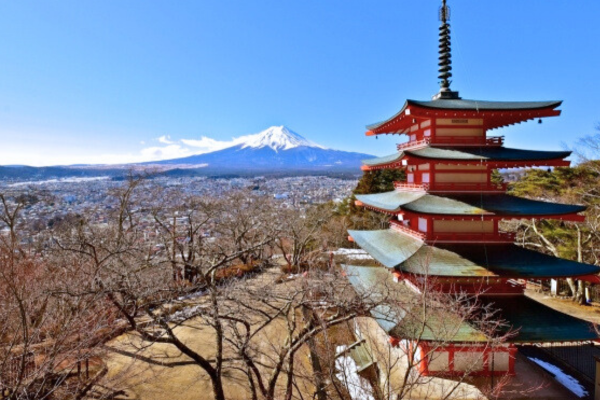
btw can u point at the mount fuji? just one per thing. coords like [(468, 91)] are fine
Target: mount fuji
[(276, 149)]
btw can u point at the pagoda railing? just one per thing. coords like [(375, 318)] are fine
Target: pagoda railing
[(413, 144), (467, 187), (400, 227), (464, 141), (452, 187), (411, 187), (500, 237)]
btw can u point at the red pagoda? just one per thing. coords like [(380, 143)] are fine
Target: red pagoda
[(444, 222)]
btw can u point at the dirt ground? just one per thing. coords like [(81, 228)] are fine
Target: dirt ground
[(159, 371)]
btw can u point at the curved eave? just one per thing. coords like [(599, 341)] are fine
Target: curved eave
[(500, 205), (485, 105), (384, 160), (389, 201), (500, 157), (533, 322), (485, 153), (512, 261), (409, 321), (434, 261), (396, 250), (496, 114), (461, 205), (376, 127), (523, 319), (506, 261), (388, 247)]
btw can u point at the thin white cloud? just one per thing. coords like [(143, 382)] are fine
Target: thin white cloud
[(164, 153), (171, 150), (166, 139), (207, 145)]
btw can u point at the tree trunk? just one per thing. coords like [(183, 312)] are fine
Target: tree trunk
[(217, 385), (320, 393)]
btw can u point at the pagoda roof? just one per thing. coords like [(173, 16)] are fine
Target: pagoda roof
[(496, 113), (388, 247), (464, 260), (465, 204), (535, 322), (478, 105), (406, 320), (512, 261), (528, 320), (484, 153)]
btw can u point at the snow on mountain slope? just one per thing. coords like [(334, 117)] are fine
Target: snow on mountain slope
[(277, 138), (275, 149)]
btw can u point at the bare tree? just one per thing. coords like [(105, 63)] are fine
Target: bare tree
[(48, 341), (204, 265), (299, 240)]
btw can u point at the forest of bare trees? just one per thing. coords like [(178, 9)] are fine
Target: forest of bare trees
[(258, 285)]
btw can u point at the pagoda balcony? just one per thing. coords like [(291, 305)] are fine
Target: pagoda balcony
[(400, 227), (411, 187), (452, 187), (467, 187), (454, 237), (464, 141), (461, 141), (500, 237), (413, 144)]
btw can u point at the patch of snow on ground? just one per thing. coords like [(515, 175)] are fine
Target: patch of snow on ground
[(346, 372), (566, 380), (192, 295), (185, 314), (353, 254)]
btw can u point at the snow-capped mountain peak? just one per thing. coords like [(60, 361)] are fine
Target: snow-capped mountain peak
[(277, 138)]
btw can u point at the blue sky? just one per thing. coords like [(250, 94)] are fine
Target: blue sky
[(102, 81)]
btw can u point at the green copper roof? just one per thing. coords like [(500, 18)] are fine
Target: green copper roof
[(512, 261), (390, 201), (464, 104), (383, 160), (387, 246), (504, 204), (435, 261), (465, 204), (537, 323), (490, 153), (404, 316), (471, 154), (485, 153), (397, 250)]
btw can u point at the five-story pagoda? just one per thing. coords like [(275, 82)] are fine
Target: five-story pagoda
[(445, 215)]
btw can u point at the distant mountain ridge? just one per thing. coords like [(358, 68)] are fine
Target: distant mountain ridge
[(276, 148), (274, 151)]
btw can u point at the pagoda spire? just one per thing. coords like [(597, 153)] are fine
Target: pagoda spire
[(445, 58)]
